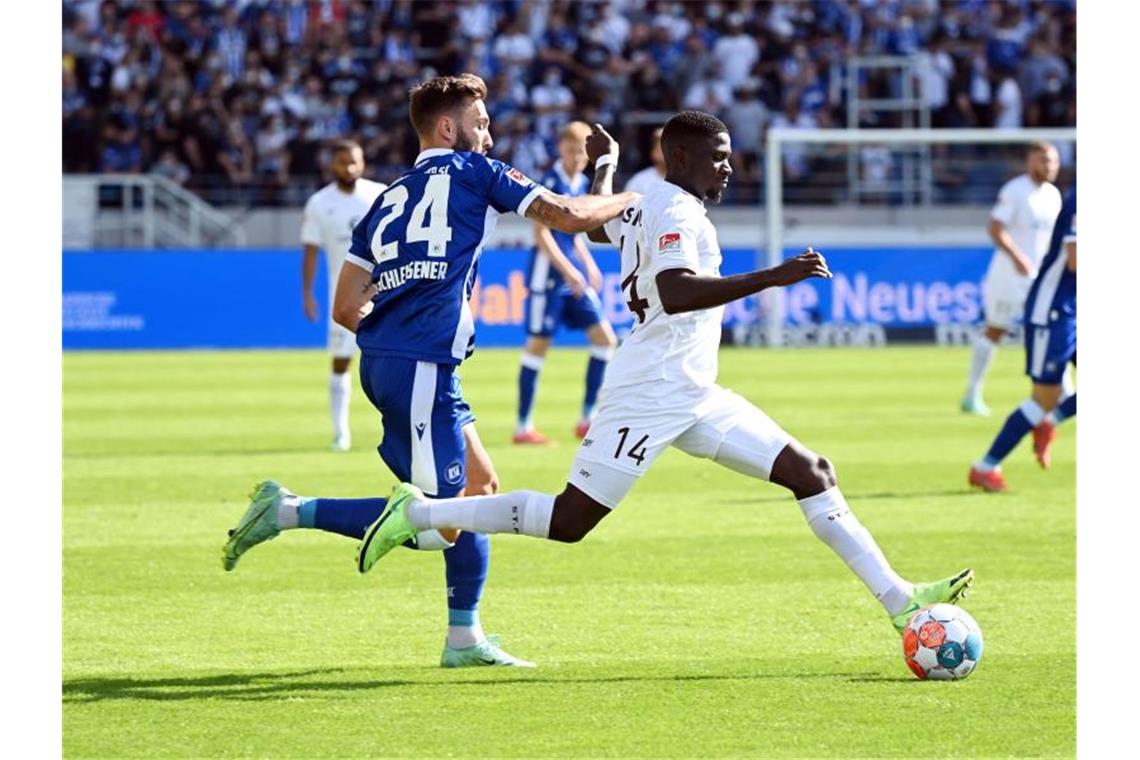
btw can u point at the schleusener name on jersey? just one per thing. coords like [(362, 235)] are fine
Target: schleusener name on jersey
[(413, 270)]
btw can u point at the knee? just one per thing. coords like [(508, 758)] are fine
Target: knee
[(569, 526), (824, 473)]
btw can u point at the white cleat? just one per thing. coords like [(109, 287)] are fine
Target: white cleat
[(342, 443)]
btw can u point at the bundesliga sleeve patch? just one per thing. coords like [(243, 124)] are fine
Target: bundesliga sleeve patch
[(518, 177), (670, 242)]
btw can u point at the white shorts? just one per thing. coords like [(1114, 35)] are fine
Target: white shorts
[(1005, 300), (342, 341), (635, 425)]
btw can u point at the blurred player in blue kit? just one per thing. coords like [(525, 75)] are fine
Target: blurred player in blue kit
[(1050, 346), (563, 293), (404, 291)]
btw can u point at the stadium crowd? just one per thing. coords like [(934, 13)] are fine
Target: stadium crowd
[(240, 100)]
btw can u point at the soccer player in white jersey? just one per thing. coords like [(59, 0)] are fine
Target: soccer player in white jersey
[(661, 387), (331, 213), (1020, 225), (652, 175)]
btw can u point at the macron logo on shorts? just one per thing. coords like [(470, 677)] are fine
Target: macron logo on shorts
[(670, 242)]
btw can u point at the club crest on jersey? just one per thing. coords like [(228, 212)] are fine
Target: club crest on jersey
[(669, 242), (518, 177), (454, 472)]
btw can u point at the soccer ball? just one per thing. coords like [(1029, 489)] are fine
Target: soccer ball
[(942, 642)]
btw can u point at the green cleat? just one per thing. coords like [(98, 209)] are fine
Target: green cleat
[(390, 529), (259, 523), (485, 653), (948, 591), (974, 405)]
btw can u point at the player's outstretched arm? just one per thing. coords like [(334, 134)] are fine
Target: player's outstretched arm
[(353, 295), (579, 214), (683, 290)]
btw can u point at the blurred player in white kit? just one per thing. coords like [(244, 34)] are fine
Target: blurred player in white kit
[(331, 213), (1020, 225)]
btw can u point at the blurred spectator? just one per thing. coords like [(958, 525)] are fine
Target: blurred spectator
[(514, 48), (747, 119), (122, 152), (552, 102), (1008, 103), (1042, 63), (935, 70), (736, 52), (170, 167), (794, 155), (710, 93), (1056, 104)]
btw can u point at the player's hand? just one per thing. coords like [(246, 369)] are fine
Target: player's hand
[(1023, 265), (599, 143), (312, 309), (576, 283), (810, 263)]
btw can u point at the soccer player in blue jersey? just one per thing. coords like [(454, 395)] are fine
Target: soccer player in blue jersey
[(404, 291), (563, 292), (1050, 345)]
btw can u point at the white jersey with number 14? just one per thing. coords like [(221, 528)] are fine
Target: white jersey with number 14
[(667, 228)]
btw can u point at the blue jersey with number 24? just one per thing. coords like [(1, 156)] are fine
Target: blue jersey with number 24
[(422, 240)]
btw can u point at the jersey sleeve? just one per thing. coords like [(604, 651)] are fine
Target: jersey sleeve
[(1006, 207), (310, 229), (612, 228), (360, 249), (508, 189), (673, 242)]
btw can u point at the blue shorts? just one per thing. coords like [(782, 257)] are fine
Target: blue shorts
[(422, 413), (1048, 350), (548, 310)]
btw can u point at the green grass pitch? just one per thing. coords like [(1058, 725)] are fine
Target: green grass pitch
[(701, 619)]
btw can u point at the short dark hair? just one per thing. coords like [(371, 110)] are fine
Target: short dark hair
[(441, 95), (689, 124), (341, 145)]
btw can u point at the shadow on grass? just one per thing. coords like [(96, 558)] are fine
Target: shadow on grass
[(271, 686)]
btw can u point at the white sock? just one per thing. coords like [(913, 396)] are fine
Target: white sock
[(836, 525), (983, 355), (525, 512), (463, 636), (340, 392), (288, 512)]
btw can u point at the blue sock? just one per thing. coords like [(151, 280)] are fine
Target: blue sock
[(1067, 409), (1016, 426), (528, 384), (348, 517), (595, 373), (466, 573)]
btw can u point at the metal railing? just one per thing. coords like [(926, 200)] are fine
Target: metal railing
[(141, 211)]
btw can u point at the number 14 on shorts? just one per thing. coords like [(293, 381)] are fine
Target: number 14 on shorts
[(636, 452)]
